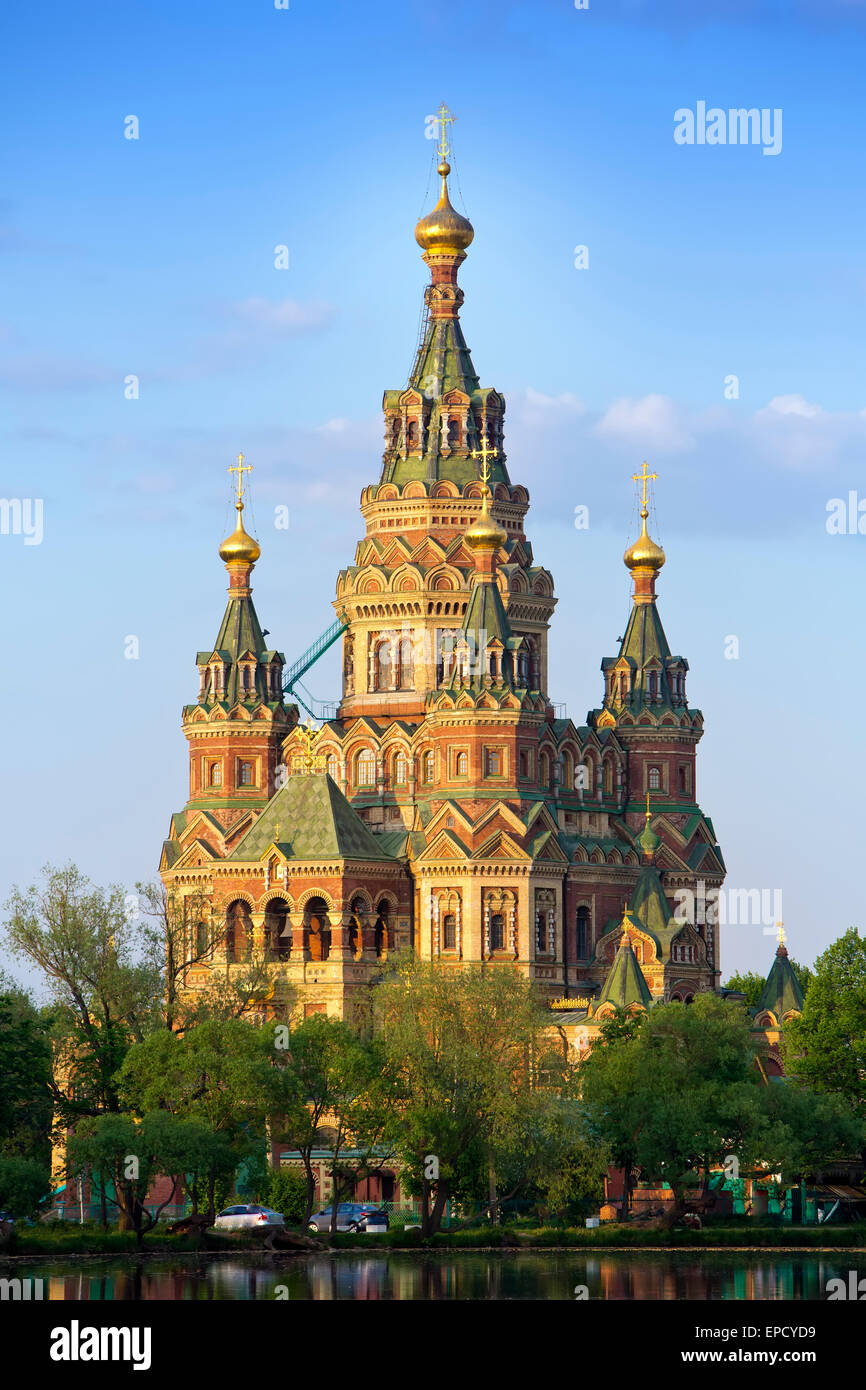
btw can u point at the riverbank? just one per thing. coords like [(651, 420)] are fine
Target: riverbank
[(36, 1242)]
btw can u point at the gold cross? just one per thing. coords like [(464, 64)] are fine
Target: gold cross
[(240, 468), (780, 925), (644, 478), (485, 453), (309, 735), (445, 119), (277, 833)]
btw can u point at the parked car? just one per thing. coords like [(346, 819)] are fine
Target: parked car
[(351, 1216), (249, 1217)]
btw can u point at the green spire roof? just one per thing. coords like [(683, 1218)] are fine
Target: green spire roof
[(648, 905), (782, 993), (313, 821), (625, 985)]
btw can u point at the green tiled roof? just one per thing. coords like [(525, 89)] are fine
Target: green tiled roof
[(625, 984), (782, 992), (315, 822), (648, 904)]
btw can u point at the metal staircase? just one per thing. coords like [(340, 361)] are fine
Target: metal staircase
[(318, 709)]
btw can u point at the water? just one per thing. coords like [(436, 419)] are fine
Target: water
[(451, 1275)]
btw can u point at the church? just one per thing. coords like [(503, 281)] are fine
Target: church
[(447, 808)]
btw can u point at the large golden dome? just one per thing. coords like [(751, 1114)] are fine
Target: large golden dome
[(239, 548), (443, 232)]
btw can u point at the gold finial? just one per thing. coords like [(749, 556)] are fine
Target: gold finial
[(647, 807), (240, 548), (644, 554), (780, 929), (309, 734), (445, 119), (485, 533), (277, 833), (444, 231), (240, 468)]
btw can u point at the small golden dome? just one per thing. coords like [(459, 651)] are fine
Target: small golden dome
[(239, 548), (443, 232), (644, 554), (485, 533)]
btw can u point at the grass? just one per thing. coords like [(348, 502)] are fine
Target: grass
[(65, 1238)]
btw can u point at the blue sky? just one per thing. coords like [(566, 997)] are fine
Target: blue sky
[(305, 127)]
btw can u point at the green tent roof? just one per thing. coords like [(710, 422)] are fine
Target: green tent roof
[(315, 822), (782, 993), (625, 984)]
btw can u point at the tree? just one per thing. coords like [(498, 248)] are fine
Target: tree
[(217, 1072), (680, 1094), (179, 935), (83, 944), (825, 1047), (25, 1185), (332, 1089), (123, 1157), (25, 1077), (544, 1153), (807, 1130), (464, 1048)]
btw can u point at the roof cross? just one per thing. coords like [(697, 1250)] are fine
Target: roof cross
[(485, 453), (780, 928), (445, 119), (240, 468), (644, 478)]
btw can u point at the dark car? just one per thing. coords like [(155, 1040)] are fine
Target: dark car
[(351, 1216)]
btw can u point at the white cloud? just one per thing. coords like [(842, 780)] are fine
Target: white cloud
[(793, 405), (653, 422), (282, 317)]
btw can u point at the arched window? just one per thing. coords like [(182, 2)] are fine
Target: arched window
[(653, 685), (332, 767), (202, 941), (492, 762), (412, 435), (428, 766), (380, 935), (382, 665), (497, 931), (245, 778), (453, 433), (525, 764), (655, 779), (406, 664), (401, 770), (365, 769), (239, 932), (461, 765), (317, 928), (544, 770), (278, 932), (608, 778), (449, 932), (582, 946), (216, 775)]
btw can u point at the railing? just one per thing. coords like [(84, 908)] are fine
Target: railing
[(312, 654)]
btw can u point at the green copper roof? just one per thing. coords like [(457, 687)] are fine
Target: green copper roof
[(648, 905), (443, 362), (625, 984), (782, 993), (315, 822)]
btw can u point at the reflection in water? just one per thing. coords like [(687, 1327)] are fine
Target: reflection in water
[(402, 1275)]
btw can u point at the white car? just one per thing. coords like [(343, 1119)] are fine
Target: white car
[(245, 1218)]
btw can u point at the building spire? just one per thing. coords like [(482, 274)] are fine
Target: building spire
[(239, 551), (644, 559)]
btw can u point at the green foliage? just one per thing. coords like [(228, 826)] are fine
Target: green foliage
[(25, 1185), (25, 1076), (825, 1047), (681, 1093), (467, 1051), (286, 1191), (83, 944)]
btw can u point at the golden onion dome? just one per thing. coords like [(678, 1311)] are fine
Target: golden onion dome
[(443, 231), (644, 554), (485, 533), (239, 548)]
